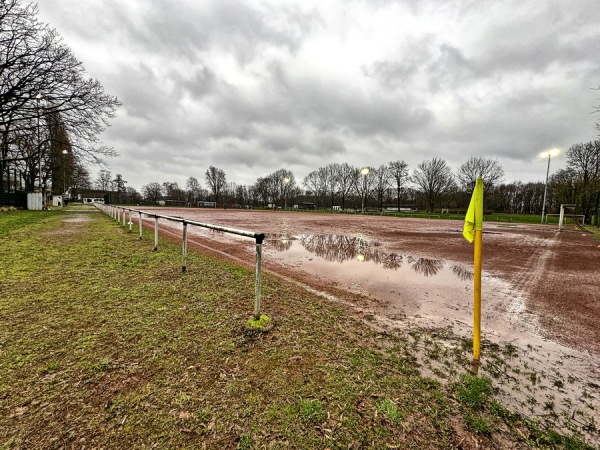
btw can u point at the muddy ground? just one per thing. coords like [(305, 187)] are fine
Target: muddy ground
[(534, 278)]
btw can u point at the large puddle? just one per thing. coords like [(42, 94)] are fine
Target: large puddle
[(358, 255)]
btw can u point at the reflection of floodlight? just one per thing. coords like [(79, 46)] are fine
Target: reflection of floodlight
[(547, 154), (360, 258)]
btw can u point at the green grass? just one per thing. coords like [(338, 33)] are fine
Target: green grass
[(106, 344)]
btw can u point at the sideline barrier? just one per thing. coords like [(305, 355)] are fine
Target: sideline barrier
[(118, 214)]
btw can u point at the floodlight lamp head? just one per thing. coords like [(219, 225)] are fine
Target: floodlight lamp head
[(65, 151), (549, 153), (365, 171), (286, 180)]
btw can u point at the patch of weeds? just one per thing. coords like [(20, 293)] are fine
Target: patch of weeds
[(510, 351), (388, 409), (52, 366), (532, 377), (497, 410), (473, 391), (246, 442), (311, 411), (466, 344), (477, 424)]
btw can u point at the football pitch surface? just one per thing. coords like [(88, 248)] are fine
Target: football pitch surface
[(536, 280)]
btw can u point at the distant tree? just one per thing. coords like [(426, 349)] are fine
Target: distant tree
[(399, 176), (131, 195), (330, 181), (363, 181), (172, 191), (381, 182), (583, 164), (119, 186), (279, 184), (313, 182), (81, 177), (261, 191), (489, 169), (152, 192), (344, 176), (241, 195), (434, 179), (104, 180), (216, 180), (194, 190)]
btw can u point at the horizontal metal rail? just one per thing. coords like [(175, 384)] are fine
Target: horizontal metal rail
[(118, 214)]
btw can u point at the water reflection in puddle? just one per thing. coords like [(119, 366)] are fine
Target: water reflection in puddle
[(344, 249)]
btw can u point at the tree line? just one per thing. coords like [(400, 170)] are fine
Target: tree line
[(431, 186)]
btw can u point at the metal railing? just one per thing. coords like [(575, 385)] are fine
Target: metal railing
[(118, 213)]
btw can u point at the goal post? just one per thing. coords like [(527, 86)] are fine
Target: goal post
[(562, 216)]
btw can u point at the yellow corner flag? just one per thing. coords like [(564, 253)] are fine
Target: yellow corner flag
[(474, 217), (472, 231)]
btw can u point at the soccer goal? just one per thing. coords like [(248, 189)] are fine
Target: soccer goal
[(563, 216)]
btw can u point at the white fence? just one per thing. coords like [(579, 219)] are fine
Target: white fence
[(119, 214)]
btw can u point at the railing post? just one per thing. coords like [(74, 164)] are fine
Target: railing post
[(130, 223), (123, 216), (257, 285), (155, 234), (184, 248), (118, 215), (140, 224)]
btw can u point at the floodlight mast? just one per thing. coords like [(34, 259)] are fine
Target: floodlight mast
[(549, 154)]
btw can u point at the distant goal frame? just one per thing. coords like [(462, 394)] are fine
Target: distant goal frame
[(562, 215)]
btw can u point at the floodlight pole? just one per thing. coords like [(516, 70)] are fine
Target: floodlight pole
[(546, 187)]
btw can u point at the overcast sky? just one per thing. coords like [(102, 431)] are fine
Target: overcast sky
[(255, 86)]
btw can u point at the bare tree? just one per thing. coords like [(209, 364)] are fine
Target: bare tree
[(315, 182), (172, 191), (344, 176), (119, 185), (381, 182), (489, 169), (193, 190), (434, 179), (104, 180), (399, 175), (363, 182), (583, 162), (152, 192), (40, 78), (81, 177), (216, 180)]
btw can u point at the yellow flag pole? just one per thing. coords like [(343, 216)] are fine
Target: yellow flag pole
[(472, 232), (477, 295)]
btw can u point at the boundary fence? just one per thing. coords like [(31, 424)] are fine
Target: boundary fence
[(118, 213)]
